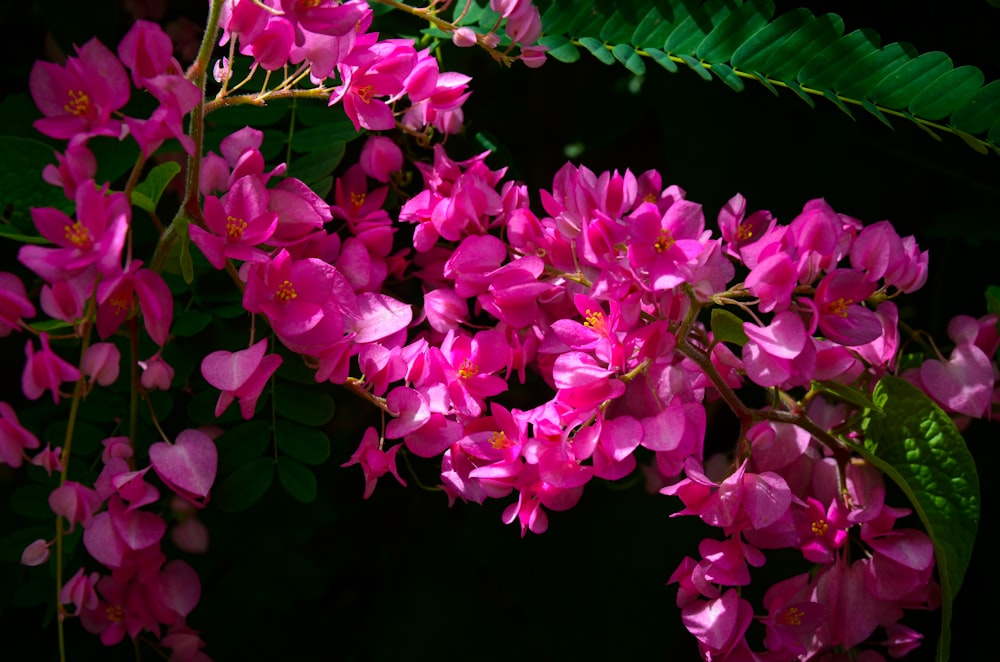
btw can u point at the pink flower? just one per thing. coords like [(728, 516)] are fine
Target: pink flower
[(374, 461), (380, 157), (842, 318), (241, 375), (14, 303), (237, 224), (101, 363), (78, 100), (14, 438), (115, 298), (156, 373), (36, 553), (45, 371)]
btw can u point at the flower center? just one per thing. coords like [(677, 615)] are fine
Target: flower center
[(121, 301), (467, 369), (115, 613), (839, 307), (235, 227), (819, 527), (744, 232), (500, 441), (366, 93), (596, 321), (78, 235), (664, 241), (792, 616), (649, 197), (78, 104), (357, 199), (286, 291)]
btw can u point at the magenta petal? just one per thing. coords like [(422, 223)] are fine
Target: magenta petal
[(381, 316), (181, 587), (964, 384), (103, 543), (227, 371), (188, 466)]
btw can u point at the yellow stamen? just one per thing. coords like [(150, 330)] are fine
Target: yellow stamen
[(467, 369), (839, 307), (78, 104), (500, 441), (78, 235), (235, 227), (115, 613), (357, 199), (286, 291), (664, 241), (744, 232), (792, 616), (366, 93), (819, 527), (595, 321)]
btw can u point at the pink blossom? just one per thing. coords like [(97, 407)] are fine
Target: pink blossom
[(380, 157), (236, 224), (45, 371), (241, 375), (842, 318), (48, 459), (374, 461), (35, 553), (14, 438), (80, 591), (78, 100), (101, 363), (75, 502), (188, 466), (156, 373)]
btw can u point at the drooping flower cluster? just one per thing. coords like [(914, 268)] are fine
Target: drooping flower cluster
[(601, 295)]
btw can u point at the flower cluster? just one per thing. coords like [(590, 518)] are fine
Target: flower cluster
[(625, 311)]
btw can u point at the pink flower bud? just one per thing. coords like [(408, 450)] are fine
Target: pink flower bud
[(464, 37), (100, 363), (380, 157), (156, 373), (36, 553)]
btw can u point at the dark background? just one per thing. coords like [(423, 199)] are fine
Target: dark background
[(403, 575)]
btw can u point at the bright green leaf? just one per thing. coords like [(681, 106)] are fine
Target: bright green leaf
[(696, 66), (728, 76), (871, 108), (859, 79), (806, 42), (947, 93), (978, 113), (691, 31), (800, 93), (297, 479), (755, 51), (917, 444), (828, 94), (727, 327), (627, 56), (560, 48), (146, 195), (662, 59), (719, 44), (307, 445), (309, 406), (245, 486), (652, 30), (598, 50), (823, 70), (898, 88)]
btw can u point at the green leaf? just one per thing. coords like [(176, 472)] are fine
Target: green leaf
[(719, 44), (993, 300), (800, 93), (847, 394), (627, 56), (297, 479), (652, 30), (245, 486), (810, 39), (21, 184), (859, 79), (823, 70), (329, 136), (617, 29), (828, 94), (696, 66), (242, 444), (693, 29), (32, 501), (307, 445), (728, 76), (598, 50), (947, 93), (770, 41), (978, 113), (871, 108), (302, 404), (896, 89), (727, 327), (318, 164), (917, 444), (560, 48), (146, 195), (191, 322), (662, 59)]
